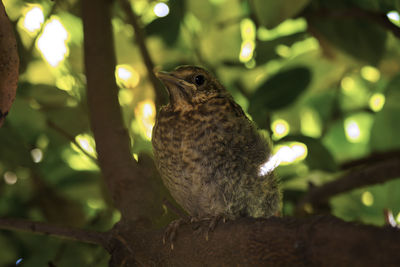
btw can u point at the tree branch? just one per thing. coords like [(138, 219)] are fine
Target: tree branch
[(72, 139), (316, 241), (131, 189), (318, 197), (140, 38), (9, 64), (86, 236)]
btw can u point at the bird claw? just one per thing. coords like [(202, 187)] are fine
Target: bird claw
[(171, 231)]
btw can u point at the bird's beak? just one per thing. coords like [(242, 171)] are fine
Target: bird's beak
[(180, 91)]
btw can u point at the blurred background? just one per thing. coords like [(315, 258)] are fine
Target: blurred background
[(320, 77)]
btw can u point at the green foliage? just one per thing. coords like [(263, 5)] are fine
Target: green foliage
[(315, 65)]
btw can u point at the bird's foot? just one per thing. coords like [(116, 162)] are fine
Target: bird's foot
[(212, 223), (172, 229)]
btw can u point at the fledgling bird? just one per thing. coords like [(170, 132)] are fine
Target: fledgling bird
[(209, 153)]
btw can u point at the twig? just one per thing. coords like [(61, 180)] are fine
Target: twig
[(371, 159), (380, 172), (140, 39), (86, 236), (71, 139)]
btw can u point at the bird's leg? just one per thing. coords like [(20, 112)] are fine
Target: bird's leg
[(212, 223)]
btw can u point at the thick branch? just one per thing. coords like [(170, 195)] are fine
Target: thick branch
[(141, 41), (359, 177), (9, 64), (317, 241), (86, 236), (130, 188)]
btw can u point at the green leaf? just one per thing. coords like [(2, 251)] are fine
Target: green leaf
[(386, 128), (318, 157), (279, 91), (73, 120), (358, 37), (271, 13), (49, 96), (266, 50)]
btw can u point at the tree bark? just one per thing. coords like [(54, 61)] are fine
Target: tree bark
[(9, 64)]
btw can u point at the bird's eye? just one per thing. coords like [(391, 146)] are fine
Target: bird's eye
[(199, 79)]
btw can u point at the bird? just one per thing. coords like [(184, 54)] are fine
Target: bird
[(209, 154)]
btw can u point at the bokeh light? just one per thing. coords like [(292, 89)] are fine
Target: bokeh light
[(52, 43), (394, 17), (146, 113), (161, 10), (370, 73), (33, 19), (10, 177), (280, 128), (37, 155), (348, 84), (126, 76), (367, 198), (248, 32), (376, 102), (87, 143), (289, 153), (353, 132)]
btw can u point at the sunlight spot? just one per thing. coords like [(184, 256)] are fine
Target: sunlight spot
[(376, 102), (280, 129), (348, 84), (33, 19), (87, 143), (248, 29), (52, 42), (146, 113), (394, 17), (367, 198), (370, 73), (398, 218), (66, 82), (161, 10), (126, 76), (285, 155), (353, 132), (10, 177), (248, 33), (136, 157), (246, 51), (37, 155)]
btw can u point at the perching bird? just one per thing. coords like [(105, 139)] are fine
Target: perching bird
[(208, 153)]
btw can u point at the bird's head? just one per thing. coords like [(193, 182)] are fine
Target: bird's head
[(190, 85)]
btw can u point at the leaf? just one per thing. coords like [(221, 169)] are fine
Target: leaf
[(318, 157), (270, 13), (266, 50), (358, 37), (49, 96), (386, 128), (72, 119), (168, 27), (279, 91)]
